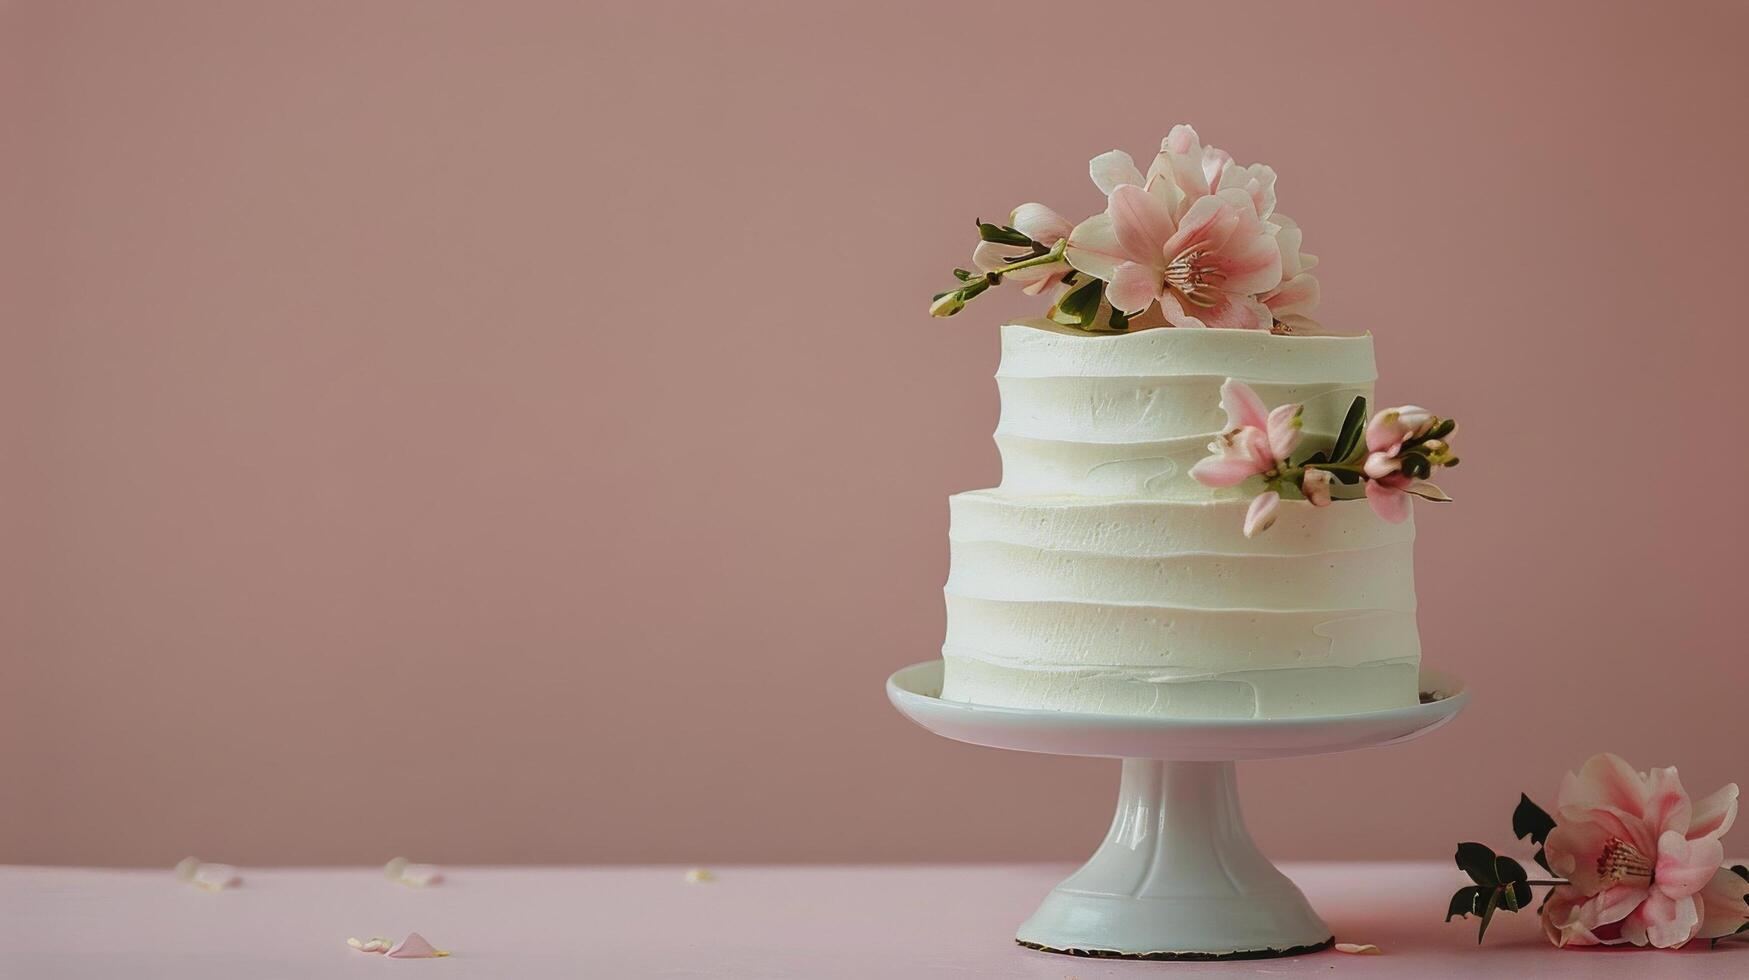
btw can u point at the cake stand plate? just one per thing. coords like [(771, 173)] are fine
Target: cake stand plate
[(1178, 876)]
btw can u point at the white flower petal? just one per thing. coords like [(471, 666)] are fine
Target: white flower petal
[(1094, 249), (1111, 170), (1040, 223)]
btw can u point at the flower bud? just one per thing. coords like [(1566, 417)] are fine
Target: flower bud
[(947, 304), (1415, 420), (1315, 484), (1380, 465), (1261, 514)]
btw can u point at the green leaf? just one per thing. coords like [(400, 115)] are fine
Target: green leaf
[(1466, 901), (1427, 491), (1531, 821), (1515, 895), (1479, 862), (1508, 870), (1002, 234), (1348, 438), (1080, 305), (1417, 466), (1487, 915), (1318, 457), (1445, 427), (1543, 859), (962, 274)]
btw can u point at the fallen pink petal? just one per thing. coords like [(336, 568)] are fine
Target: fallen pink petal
[(412, 875), (415, 947), (207, 876)]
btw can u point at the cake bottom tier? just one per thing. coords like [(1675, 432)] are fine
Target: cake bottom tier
[(1279, 692)]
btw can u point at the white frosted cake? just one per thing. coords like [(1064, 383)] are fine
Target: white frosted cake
[(1100, 577)]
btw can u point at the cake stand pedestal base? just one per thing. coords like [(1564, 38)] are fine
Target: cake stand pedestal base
[(1178, 877)]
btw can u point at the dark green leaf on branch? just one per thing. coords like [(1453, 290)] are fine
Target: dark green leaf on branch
[(1479, 862), (1002, 235), (962, 274), (1487, 915), (1466, 901), (1348, 438), (1080, 305), (1532, 822), (1508, 870)]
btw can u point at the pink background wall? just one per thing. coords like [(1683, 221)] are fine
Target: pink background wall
[(513, 433)]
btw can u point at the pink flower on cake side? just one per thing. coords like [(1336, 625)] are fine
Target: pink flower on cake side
[(1256, 442), (1641, 860), (1402, 450), (1042, 225)]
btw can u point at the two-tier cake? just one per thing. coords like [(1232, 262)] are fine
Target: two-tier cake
[(1101, 577), (1180, 530)]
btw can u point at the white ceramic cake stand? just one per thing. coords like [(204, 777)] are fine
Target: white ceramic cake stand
[(1178, 876)]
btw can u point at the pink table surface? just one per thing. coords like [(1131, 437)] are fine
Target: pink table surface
[(803, 922)]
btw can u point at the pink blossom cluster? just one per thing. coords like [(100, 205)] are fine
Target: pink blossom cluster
[(1196, 241), (1401, 447)]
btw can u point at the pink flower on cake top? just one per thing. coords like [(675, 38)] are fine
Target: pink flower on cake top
[(1194, 242)]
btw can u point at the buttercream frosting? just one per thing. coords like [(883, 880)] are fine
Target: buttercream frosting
[(1099, 577)]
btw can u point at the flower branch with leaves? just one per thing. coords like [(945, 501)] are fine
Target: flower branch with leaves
[(1635, 860), (1391, 455), (1194, 242)]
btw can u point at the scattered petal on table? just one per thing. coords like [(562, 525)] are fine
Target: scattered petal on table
[(207, 877), (375, 944), (415, 947), (700, 876), (1358, 949), (412, 875)]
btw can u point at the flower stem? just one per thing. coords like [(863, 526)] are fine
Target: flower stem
[(1053, 256), (1548, 881)]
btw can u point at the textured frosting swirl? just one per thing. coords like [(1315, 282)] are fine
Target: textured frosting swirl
[(1129, 414)]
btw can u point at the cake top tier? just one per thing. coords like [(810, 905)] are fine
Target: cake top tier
[(1127, 415), (1042, 349)]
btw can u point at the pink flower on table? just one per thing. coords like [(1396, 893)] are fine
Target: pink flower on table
[(1040, 224), (1641, 860), (1204, 269)]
